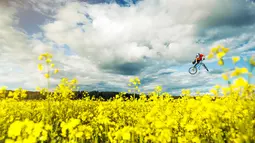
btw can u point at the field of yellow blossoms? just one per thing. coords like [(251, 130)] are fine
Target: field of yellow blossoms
[(225, 115)]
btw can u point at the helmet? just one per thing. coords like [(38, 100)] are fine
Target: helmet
[(197, 55)]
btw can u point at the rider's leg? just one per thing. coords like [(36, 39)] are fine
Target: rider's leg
[(198, 61), (194, 61), (205, 67)]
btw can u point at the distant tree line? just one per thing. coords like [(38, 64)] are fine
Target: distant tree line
[(106, 95)]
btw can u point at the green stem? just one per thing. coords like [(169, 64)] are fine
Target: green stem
[(229, 83), (48, 80), (249, 78), (48, 95)]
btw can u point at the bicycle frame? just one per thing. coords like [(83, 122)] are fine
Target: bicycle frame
[(199, 65)]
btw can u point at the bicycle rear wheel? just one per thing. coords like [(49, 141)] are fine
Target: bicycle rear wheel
[(192, 70)]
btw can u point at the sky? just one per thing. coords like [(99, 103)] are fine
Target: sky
[(104, 43)]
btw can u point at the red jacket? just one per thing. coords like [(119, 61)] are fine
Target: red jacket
[(200, 57)]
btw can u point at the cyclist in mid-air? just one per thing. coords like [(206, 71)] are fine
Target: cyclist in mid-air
[(198, 59)]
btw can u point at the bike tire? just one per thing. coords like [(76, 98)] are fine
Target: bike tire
[(192, 68)]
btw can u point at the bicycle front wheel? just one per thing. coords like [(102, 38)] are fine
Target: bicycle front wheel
[(192, 70)]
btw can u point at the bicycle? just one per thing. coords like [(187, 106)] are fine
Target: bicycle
[(194, 68)]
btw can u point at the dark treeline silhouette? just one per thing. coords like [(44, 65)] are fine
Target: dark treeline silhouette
[(106, 95)]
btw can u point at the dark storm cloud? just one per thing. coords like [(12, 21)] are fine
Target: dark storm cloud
[(100, 86), (4, 2), (172, 88), (147, 80), (236, 19), (31, 13), (45, 7), (230, 18), (234, 13), (30, 20), (93, 1), (143, 67), (125, 68), (120, 2), (151, 78)]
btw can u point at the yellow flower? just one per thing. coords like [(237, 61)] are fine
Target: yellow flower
[(225, 76), (48, 61), (220, 62), (40, 57), (56, 71), (40, 67), (225, 90), (240, 82), (196, 140), (215, 49), (52, 65), (43, 55), (250, 74), (210, 56), (79, 134), (10, 94), (47, 75), (126, 136), (38, 88), (220, 55), (239, 71), (225, 50), (213, 91), (252, 61), (15, 129), (9, 141), (158, 88), (235, 59), (137, 80), (217, 86), (3, 88), (74, 81), (49, 55)]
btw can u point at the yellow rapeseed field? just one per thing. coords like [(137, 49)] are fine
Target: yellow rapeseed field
[(225, 115)]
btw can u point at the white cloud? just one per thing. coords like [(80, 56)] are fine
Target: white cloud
[(120, 34)]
